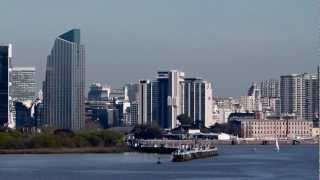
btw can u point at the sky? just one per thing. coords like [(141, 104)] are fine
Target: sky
[(228, 42)]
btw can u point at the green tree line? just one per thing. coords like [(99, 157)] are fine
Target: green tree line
[(60, 139)]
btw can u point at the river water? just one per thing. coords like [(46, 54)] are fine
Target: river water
[(243, 162)]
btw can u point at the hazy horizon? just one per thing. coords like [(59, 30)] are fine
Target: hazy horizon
[(230, 43)]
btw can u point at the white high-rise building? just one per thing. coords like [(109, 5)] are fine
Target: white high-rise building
[(145, 102), (23, 83), (175, 96)]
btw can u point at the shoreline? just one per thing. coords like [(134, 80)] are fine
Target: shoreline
[(87, 150), (95, 150)]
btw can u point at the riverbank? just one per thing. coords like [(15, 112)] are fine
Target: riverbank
[(113, 149)]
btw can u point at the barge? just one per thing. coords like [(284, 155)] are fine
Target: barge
[(196, 153)]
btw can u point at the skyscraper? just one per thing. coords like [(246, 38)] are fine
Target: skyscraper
[(167, 98), (65, 82), (5, 100), (300, 95), (145, 102), (197, 101), (291, 94), (23, 83), (160, 99), (175, 97)]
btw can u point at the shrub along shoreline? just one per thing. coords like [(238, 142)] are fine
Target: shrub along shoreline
[(62, 141)]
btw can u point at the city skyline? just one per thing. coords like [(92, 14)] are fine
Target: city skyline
[(209, 44)]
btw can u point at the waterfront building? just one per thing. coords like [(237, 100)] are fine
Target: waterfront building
[(197, 101), (5, 99), (65, 83), (23, 83), (145, 102), (274, 128)]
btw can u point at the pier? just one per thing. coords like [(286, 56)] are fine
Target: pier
[(168, 146)]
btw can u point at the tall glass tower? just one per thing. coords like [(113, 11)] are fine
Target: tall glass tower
[(5, 100), (65, 83)]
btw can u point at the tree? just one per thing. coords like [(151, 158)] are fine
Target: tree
[(185, 121), (147, 132)]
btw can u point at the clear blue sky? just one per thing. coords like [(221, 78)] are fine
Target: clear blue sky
[(229, 42)]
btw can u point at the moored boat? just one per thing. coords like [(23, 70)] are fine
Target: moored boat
[(195, 153)]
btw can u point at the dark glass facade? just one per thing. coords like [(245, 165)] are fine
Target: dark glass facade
[(4, 85)]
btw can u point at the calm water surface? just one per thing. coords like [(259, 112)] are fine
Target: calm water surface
[(234, 162)]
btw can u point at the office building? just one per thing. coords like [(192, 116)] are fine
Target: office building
[(291, 94), (97, 92), (145, 102), (133, 114), (299, 95), (23, 83), (5, 99), (168, 98), (65, 83), (197, 101), (270, 88)]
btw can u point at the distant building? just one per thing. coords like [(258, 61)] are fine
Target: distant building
[(299, 95), (271, 106), (24, 114), (316, 132), (29, 114), (168, 98), (5, 99), (133, 114), (23, 83), (133, 91), (274, 128), (97, 92), (118, 94), (64, 85), (197, 101), (145, 102), (124, 109), (270, 88)]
